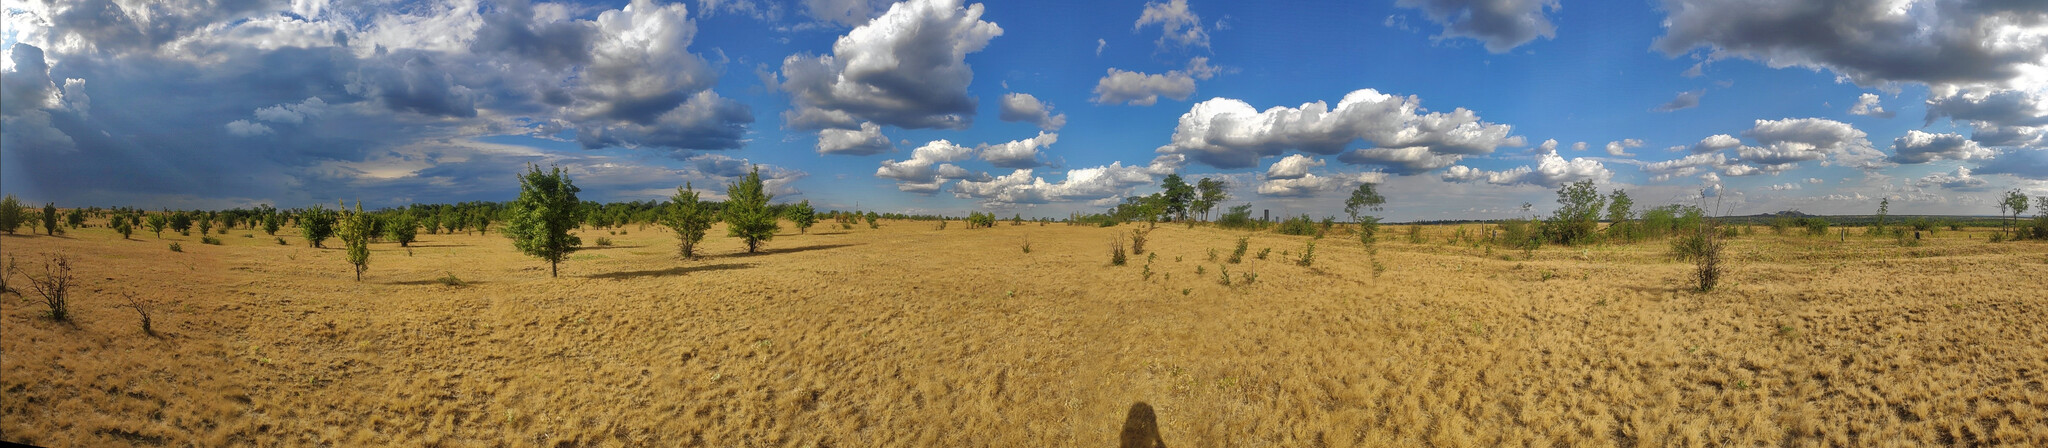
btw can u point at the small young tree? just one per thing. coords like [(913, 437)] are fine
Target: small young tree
[(355, 229), (803, 215), (689, 217), (1621, 217), (50, 218), (75, 218), (121, 226), (205, 225), (12, 214), (272, 222), (1365, 198), (543, 216), (156, 224), (746, 211), (316, 225), (181, 222), (874, 220), (403, 228), (1884, 207)]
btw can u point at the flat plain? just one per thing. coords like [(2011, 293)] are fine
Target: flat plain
[(913, 336)]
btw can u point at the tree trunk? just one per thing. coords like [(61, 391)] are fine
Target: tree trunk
[(553, 270)]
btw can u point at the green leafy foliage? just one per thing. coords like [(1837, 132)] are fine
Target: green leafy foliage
[(12, 214), (543, 215), (355, 230), (803, 215), (1578, 216), (317, 225), (688, 216), (50, 219), (746, 211), (402, 228)]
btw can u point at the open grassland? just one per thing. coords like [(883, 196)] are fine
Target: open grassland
[(912, 336)]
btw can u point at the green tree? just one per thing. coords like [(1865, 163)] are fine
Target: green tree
[(12, 214), (1579, 216), (156, 224), (271, 222), (355, 229), (205, 225), (50, 218), (181, 222), (2014, 202), (1366, 198), (803, 215), (689, 217), (1177, 196), (546, 211), (746, 211), (403, 228), (316, 225), (1209, 193), (75, 218), (1884, 207), (121, 225), (1621, 215)]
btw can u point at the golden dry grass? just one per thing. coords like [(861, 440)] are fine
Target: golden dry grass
[(911, 336)]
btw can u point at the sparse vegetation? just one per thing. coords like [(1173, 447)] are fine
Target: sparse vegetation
[(1116, 251), (355, 231), (1138, 241), (1237, 254), (1298, 226), (802, 215), (1308, 255), (54, 284), (142, 310), (209, 239), (1238, 218), (690, 218), (177, 248)]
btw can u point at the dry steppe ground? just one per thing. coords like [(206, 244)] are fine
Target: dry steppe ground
[(913, 336)]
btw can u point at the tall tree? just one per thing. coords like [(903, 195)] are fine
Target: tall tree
[(316, 225), (1178, 195), (1209, 193), (1579, 216), (689, 217), (12, 214), (50, 218), (1620, 210), (746, 211), (803, 215), (541, 219)]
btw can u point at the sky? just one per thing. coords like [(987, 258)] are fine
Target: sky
[(1456, 109)]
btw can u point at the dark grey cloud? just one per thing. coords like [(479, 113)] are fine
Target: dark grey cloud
[(1922, 147), (1935, 43), (2000, 107), (2026, 163), (512, 29), (1501, 24)]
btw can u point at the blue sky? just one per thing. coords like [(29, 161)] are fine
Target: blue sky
[(1457, 108)]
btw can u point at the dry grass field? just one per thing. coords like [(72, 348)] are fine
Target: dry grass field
[(913, 336)]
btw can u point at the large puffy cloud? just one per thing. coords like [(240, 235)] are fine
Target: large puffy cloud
[(1143, 89), (1292, 167), (1228, 133), (1714, 143), (1307, 185), (868, 140), (1177, 24), (1991, 106), (1960, 180), (1922, 147), (927, 168), (1793, 140), (1551, 170), (1501, 24), (1019, 153), (906, 68), (1869, 42), (1023, 107), (1021, 187)]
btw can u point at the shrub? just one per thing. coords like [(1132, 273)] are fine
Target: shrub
[(873, 222), (1707, 266), (1690, 246), (1264, 252), (142, 309), (1116, 251), (1308, 255), (205, 226), (12, 214), (1323, 227), (1299, 226), (121, 226), (1578, 218), (1224, 278), (402, 228), (602, 241), (280, 242), (1815, 226), (1415, 234), (803, 215), (271, 222), (1238, 218), (1138, 241), (177, 248), (1027, 244), (1237, 255), (746, 211), (977, 220), (54, 285), (543, 215), (181, 222), (689, 217), (50, 219), (209, 240)]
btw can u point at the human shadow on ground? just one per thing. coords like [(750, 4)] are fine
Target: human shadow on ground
[(679, 270), (1141, 428)]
